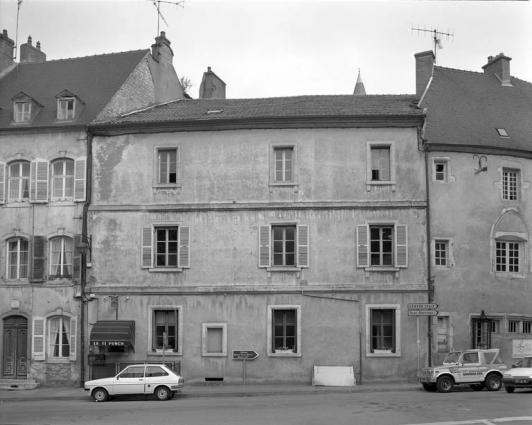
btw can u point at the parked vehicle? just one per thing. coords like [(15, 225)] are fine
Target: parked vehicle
[(477, 368), (520, 376), (146, 379)]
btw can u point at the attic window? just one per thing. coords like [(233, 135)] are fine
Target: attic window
[(66, 108), (22, 111), (502, 132)]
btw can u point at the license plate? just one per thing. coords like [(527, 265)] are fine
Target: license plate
[(521, 381)]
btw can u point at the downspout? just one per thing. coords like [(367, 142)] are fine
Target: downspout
[(83, 300), (430, 287)]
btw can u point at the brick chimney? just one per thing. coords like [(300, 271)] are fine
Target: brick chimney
[(161, 50), (30, 54), (500, 67), (212, 87), (424, 68), (7, 48)]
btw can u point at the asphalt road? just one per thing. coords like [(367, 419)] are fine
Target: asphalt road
[(380, 408)]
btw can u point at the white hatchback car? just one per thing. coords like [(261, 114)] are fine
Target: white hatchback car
[(520, 376), (145, 379)]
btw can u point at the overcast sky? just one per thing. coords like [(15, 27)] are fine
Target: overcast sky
[(285, 47)]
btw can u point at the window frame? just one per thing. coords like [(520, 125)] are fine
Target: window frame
[(370, 146), (448, 243), (396, 308), (19, 265), (274, 147), (178, 311), (22, 116), (63, 262), (64, 178), (507, 188), (507, 256), (266, 247), (446, 162), (447, 344), (40, 339), (205, 340), (400, 246), (20, 179), (62, 331), (61, 114), (156, 184), (148, 247), (270, 352)]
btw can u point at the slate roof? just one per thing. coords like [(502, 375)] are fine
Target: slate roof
[(466, 108), (276, 107), (94, 79)]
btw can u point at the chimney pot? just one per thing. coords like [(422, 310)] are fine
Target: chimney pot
[(208, 69), (29, 40), (39, 45)]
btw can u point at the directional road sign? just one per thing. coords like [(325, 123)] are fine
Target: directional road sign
[(422, 312), (422, 306), (245, 355)]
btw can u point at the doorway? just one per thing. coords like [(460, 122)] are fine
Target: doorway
[(15, 343)]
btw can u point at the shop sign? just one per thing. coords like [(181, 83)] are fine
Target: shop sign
[(521, 348)]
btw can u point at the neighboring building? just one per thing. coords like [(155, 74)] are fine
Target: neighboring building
[(291, 226), (478, 136), (45, 107)]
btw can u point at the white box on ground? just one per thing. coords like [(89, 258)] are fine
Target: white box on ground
[(333, 376)]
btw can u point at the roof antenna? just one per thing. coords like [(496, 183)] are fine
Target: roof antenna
[(16, 33), (436, 37), (157, 4)]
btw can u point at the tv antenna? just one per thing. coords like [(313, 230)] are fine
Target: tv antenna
[(157, 4), (436, 37), (19, 3)]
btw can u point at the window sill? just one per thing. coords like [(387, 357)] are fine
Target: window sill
[(295, 185), (17, 204), (271, 270), (370, 183), (383, 353), (382, 270), (284, 354), (507, 275), (167, 186), (214, 354), (58, 361), (167, 353), (165, 270)]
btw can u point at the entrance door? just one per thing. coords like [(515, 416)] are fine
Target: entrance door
[(15, 342)]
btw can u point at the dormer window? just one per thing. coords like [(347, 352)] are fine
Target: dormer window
[(65, 108), (69, 107), (22, 112)]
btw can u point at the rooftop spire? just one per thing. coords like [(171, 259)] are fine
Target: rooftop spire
[(359, 86)]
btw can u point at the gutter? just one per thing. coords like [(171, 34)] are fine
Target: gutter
[(430, 281)]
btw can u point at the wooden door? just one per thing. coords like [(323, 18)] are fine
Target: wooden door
[(15, 343)]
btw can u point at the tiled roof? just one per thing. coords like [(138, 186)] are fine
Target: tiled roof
[(466, 108), (276, 107), (94, 79)]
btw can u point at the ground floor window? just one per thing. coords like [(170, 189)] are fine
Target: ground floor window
[(284, 332), (165, 325), (383, 330)]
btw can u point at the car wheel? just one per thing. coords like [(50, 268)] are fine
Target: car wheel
[(509, 389), (162, 393), (493, 382), (429, 387), (477, 387), (100, 394), (445, 384)]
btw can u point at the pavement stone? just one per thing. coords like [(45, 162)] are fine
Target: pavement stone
[(75, 393)]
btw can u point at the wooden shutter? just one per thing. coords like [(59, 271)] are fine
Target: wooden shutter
[(39, 180), (401, 246), (2, 182), (77, 258), (80, 172), (264, 246), (73, 337), (146, 254), (362, 245), (384, 164), (39, 258), (302, 246), (184, 247), (39, 343)]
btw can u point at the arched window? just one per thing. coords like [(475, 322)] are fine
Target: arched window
[(61, 250), (19, 181), (63, 179), (59, 337), (17, 258)]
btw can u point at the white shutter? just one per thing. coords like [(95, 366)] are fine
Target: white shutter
[(39, 180), (73, 338), (2, 182), (264, 246), (39, 342), (184, 247), (362, 245), (401, 246), (302, 246), (146, 255), (80, 173)]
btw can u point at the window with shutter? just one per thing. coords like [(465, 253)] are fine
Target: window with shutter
[(264, 246), (382, 246), (19, 181), (165, 247)]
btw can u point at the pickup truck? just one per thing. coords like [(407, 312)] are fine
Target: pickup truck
[(477, 368)]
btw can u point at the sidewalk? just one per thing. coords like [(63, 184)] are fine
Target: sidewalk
[(50, 393)]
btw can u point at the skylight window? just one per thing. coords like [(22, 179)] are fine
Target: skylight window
[(502, 132)]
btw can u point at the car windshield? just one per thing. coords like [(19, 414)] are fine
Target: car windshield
[(452, 357)]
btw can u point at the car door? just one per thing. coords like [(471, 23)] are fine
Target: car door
[(155, 375), (471, 369), (130, 381)]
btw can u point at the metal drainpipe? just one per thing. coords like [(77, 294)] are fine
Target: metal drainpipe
[(84, 257), (429, 265)]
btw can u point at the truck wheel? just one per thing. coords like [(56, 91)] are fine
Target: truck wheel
[(477, 387), (429, 387), (445, 384), (509, 389), (493, 382)]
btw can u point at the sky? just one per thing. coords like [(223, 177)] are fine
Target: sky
[(272, 48)]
